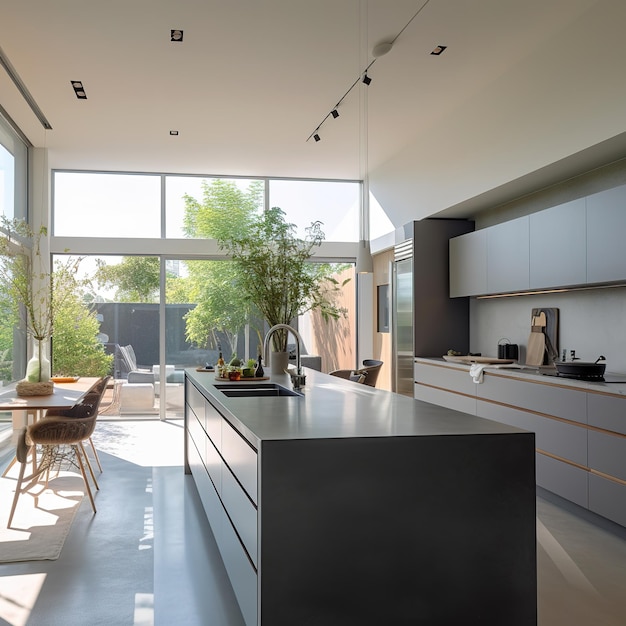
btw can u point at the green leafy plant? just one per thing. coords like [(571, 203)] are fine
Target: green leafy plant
[(275, 275)]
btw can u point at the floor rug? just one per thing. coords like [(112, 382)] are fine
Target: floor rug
[(42, 519)]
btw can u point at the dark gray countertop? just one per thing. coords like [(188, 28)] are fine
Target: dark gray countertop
[(335, 408)]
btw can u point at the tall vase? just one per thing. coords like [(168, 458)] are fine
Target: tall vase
[(279, 361), (38, 367)]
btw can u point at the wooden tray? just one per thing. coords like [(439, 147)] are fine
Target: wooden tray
[(205, 369), (243, 379), (487, 360), (64, 379)]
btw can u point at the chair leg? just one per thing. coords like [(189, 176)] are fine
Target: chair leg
[(82, 471), (18, 490), (88, 464), (9, 466), (95, 454)]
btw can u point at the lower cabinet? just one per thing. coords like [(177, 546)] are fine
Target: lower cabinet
[(224, 468), (580, 435)]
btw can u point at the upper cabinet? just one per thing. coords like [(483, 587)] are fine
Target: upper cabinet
[(577, 243), (557, 246), (606, 225), (468, 264), (507, 256)]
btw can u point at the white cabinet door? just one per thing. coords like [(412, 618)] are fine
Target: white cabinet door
[(508, 266), (558, 246), (468, 264), (606, 224)]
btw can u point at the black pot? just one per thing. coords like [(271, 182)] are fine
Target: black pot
[(581, 369)]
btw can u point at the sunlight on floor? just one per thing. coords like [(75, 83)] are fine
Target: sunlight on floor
[(144, 609), (145, 443), (18, 595)]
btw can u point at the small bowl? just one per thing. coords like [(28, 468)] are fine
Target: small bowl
[(236, 375)]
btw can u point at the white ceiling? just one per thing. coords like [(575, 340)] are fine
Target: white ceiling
[(523, 85)]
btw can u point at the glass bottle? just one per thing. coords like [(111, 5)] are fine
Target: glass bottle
[(220, 365), (258, 370)]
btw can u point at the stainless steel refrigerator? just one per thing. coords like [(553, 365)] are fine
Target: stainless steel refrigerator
[(402, 314), (426, 322)]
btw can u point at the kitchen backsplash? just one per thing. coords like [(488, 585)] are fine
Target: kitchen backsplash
[(592, 322)]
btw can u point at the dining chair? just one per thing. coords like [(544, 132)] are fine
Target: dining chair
[(60, 434), (371, 369), (355, 377)]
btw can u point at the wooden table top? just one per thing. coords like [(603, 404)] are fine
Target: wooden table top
[(65, 396)]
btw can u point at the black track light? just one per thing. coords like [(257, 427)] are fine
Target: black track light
[(79, 90), (366, 79), (316, 137), (335, 113)]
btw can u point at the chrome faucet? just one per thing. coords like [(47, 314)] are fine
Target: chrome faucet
[(298, 378)]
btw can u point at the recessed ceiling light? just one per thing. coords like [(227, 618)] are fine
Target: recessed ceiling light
[(79, 90), (438, 50), (176, 35), (174, 133)]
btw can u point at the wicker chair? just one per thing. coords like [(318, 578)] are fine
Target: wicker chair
[(60, 434)]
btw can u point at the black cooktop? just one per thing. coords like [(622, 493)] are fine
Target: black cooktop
[(607, 378)]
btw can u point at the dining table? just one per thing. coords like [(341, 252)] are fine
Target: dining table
[(28, 409)]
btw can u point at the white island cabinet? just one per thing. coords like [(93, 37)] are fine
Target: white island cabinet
[(351, 505)]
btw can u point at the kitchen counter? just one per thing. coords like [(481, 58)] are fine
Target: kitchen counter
[(332, 407), (579, 426), (353, 505), (532, 374)]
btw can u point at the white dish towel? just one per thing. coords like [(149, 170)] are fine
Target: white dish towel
[(476, 372)]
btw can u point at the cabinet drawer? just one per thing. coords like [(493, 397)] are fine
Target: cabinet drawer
[(213, 424), (607, 412), (197, 435), (607, 498), (195, 400), (210, 502), (241, 458), (565, 480), (569, 404), (242, 575), (558, 438), (214, 465), (448, 399), (242, 513), (607, 454), (446, 378)]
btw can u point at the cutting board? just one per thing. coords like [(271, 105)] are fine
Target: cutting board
[(536, 348), (478, 359), (551, 331)]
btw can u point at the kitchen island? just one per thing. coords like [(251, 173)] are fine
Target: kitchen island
[(352, 505)]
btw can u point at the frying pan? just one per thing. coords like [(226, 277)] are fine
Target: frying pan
[(581, 368)]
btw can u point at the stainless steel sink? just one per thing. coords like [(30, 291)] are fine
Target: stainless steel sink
[(256, 390)]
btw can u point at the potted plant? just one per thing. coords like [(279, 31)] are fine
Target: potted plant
[(24, 278), (274, 272)]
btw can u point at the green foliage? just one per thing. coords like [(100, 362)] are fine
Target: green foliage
[(44, 304), (136, 278), (225, 211), (24, 279), (76, 350), (270, 276), (274, 272)]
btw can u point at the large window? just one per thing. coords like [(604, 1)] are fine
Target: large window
[(335, 204), (176, 308), (106, 205)]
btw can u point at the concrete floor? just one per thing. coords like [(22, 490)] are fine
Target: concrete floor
[(147, 557)]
